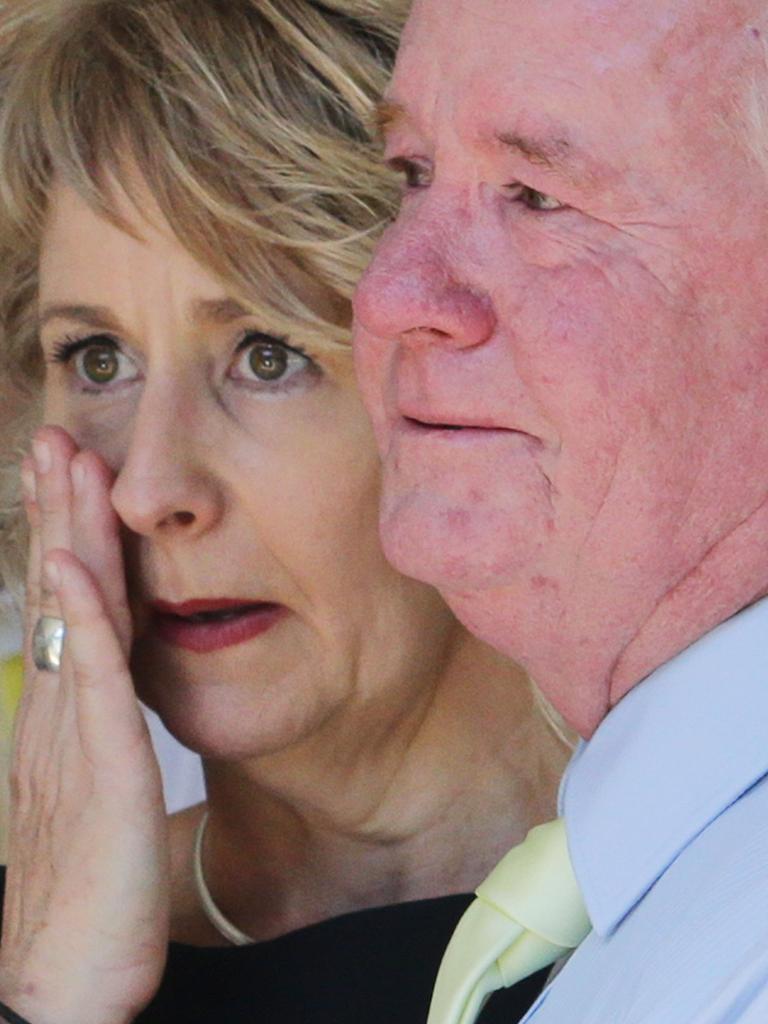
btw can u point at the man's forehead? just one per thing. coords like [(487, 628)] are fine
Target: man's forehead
[(570, 70), (605, 15), (457, 43)]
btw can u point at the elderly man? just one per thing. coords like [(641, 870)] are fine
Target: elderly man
[(563, 342)]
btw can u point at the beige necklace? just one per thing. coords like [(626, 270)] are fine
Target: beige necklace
[(222, 924)]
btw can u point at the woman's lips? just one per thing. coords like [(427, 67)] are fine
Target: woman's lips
[(209, 625)]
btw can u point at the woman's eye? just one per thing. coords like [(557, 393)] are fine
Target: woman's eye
[(262, 358), (268, 362), (98, 362), (536, 200)]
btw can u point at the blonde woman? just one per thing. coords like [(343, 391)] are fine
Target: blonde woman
[(188, 192)]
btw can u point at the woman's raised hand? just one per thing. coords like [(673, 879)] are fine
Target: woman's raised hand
[(86, 910)]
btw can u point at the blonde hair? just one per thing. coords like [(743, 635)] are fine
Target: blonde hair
[(248, 120)]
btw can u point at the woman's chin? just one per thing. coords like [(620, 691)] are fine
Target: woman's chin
[(229, 735), (230, 720)]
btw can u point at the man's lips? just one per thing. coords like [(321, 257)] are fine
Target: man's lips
[(209, 624), (435, 418), (449, 413), (414, 426), (414, 422), (437, 438)]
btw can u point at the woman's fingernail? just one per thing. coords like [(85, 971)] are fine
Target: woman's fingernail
[(28, 483), (78, 476), (42, 453), (52, 575)]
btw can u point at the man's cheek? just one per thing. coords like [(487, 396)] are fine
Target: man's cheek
[(595, 331)]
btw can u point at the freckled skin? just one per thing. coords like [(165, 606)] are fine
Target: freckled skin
[(625, 333)]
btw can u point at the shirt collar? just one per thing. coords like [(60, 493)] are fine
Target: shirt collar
[(679, 749)]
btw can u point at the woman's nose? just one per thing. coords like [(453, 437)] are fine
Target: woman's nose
[(412, 293), (165, 487)]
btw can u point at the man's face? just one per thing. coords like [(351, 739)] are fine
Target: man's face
[(563, 338)]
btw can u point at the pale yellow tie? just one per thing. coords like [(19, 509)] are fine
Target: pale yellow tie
[(11, 679), (11, 673), (528, 913)]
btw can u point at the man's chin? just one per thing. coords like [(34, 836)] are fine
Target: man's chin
[(455, 548)]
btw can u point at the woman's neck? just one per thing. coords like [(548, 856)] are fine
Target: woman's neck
[(379, 806)]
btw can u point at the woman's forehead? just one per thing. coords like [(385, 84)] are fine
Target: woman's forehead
[(100, 273)]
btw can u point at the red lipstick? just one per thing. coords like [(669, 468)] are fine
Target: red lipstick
[(210, 624)]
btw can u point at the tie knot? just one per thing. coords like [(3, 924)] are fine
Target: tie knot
[(534, 885)]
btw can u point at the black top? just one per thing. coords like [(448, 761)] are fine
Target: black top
[(370, 967)]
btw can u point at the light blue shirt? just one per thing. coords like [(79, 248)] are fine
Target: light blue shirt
[(666, 809)]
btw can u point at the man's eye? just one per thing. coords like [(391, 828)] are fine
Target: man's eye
[(415, 173), (534, 199), (264, 359)]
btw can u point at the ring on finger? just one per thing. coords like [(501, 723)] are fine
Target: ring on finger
[(48, 643)]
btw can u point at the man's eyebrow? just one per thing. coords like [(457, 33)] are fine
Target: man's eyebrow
[(98, 317), (557, 153), (553, 153), (387, 115)]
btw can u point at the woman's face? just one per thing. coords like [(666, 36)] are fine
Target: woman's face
[(248, 482)]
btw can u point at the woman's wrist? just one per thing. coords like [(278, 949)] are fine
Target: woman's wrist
[(18, 1008), (9, 1016), (24, 1001), (21, 1001), (16, 1000)]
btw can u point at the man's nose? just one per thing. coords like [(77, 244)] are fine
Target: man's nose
[(165, 488), (414, 292)]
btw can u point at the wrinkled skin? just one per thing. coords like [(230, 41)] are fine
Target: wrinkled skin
[(351, 754), (214, 486), (87, 792), (579, 263), (222, 490)]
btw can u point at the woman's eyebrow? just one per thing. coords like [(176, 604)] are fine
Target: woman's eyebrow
[(98, 317), (218, 311)]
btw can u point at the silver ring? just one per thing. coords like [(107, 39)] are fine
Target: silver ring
[(48, 643)]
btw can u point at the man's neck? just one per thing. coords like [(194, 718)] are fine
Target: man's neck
[(589, 644), (733, 575)]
